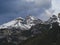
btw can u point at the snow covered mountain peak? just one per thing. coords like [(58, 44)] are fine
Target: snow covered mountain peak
[(32, 20), (52, 19), (19, 18), (20, 23), (31, 17)]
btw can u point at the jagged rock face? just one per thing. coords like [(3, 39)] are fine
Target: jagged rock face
[(16, 36), (31, 20), (19, 29), (23, 24), (52, 19)]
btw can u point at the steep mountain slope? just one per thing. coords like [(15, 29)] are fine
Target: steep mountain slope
[(30, 31), (47, 35), (21, 23), (18, 30)]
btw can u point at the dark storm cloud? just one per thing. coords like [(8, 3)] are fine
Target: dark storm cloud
[(10, 9), (19, 5)]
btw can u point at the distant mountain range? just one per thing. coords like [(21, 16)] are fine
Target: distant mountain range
[(22, 23), (27, 23), (21, 29)]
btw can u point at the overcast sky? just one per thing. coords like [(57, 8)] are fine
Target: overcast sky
[(11, 9), (56, 6)]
